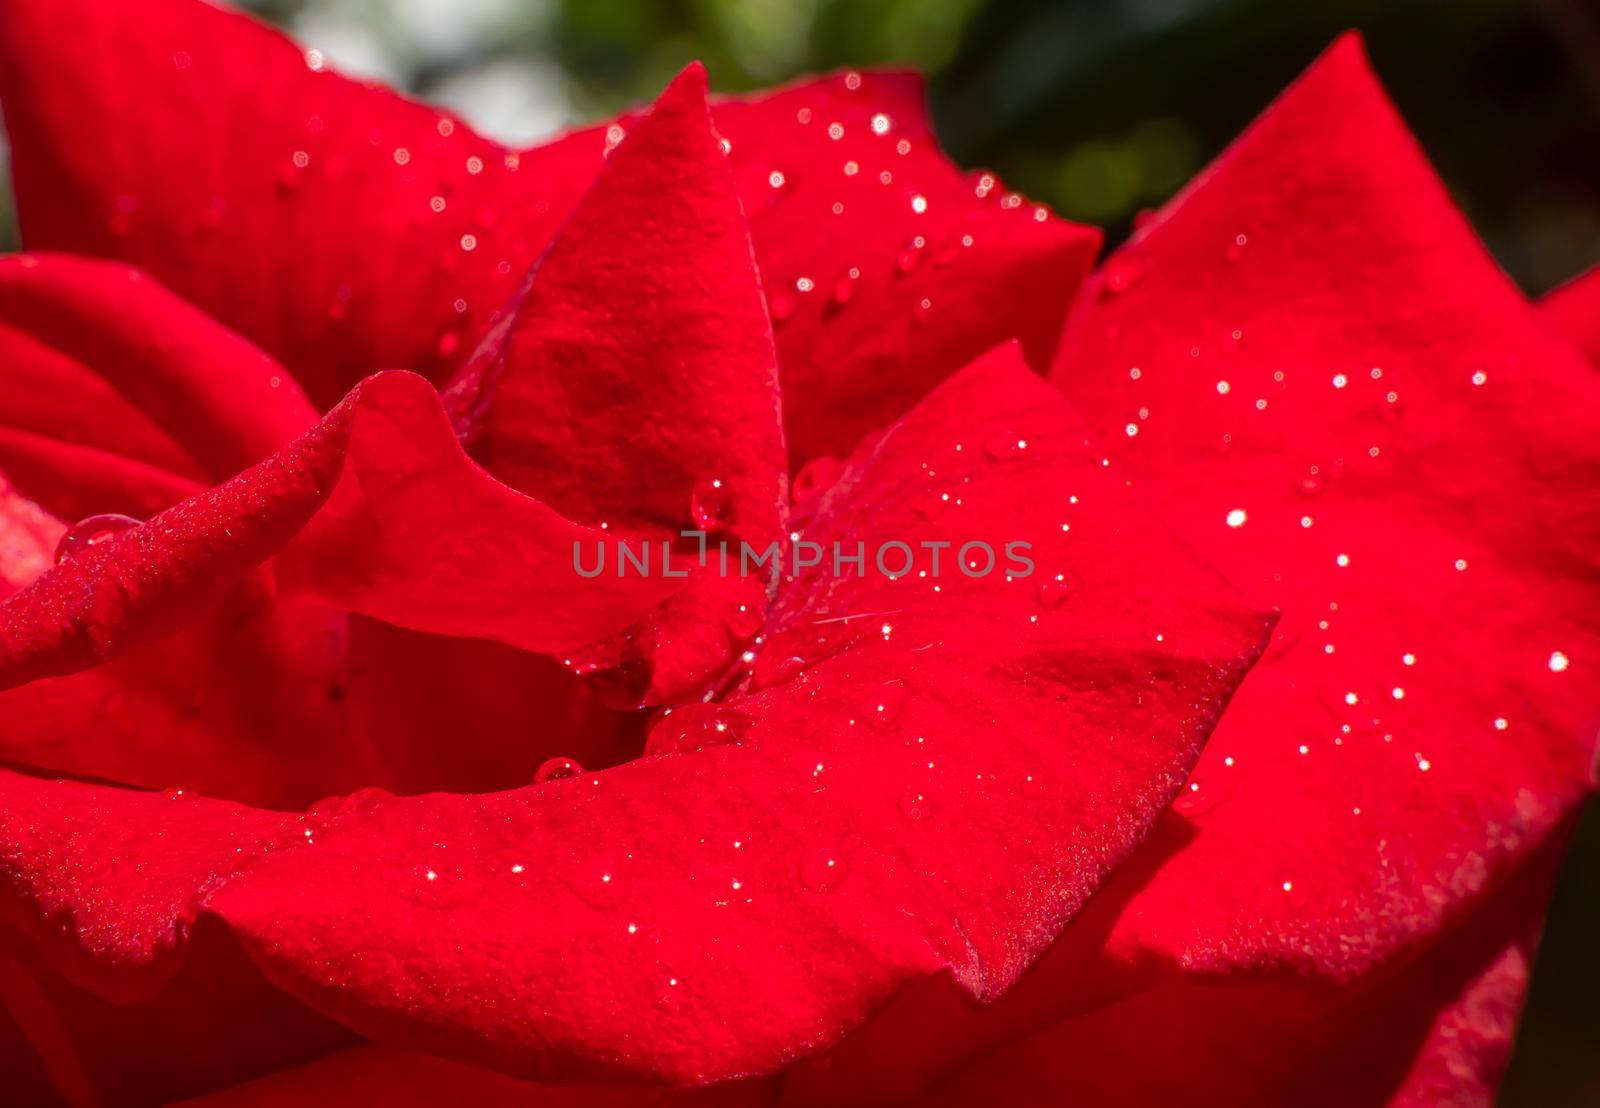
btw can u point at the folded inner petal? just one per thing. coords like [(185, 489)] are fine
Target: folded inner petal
[(1310, 362), (934, 784)]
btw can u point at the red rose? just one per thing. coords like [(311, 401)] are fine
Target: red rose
[(298, 807)]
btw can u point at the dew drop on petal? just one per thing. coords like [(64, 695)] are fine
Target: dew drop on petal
[(555, 769), (822, 870), (909, 258), (708, 504), (1052, 591), (90, 532), (915, 805), (816, 477), (1005, 447), (1120, 274), (844, 289), (1558, 662), (1198, 797), (887, 702)]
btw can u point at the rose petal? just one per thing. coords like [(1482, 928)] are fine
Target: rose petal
[(217, 397), (388, 518), (1349, 405), (77, 481), (340, 226), (28, 539), (647, 304), (346, 229), (467, 715), (217, 1023), (1573, 313), (398, 1078), (886, 268), (375, 510), (1268, 1042), (765, 895)]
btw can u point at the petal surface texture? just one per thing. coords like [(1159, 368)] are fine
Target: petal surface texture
[(348, 230), (844, 822), (1310, 362)]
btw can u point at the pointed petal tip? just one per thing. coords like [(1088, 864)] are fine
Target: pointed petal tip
[(690, 86)]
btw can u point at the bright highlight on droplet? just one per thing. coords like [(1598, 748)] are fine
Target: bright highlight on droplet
[(1237, 517), (1558, 662)]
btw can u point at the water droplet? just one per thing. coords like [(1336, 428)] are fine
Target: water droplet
[(90, 532), (1053, 591), (1310, 484), (744, 620), (708, 504), (822, 870), (780, 307), (915, 805), (1120, 274), (816, 477), (555, 769), (1199, 796), (844, 289), (1237, 517), (1005, 447), (911, 254), (1558, 662), (437, 882), (596, 885), (887, 702)]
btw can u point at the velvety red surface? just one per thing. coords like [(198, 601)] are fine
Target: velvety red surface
[(307, 393)]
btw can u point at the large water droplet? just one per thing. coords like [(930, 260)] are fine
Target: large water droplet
[(90, 532), (708, 504), (555, 769), (822, 870)]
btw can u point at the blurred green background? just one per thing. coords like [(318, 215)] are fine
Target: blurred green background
[(1100, 109)]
